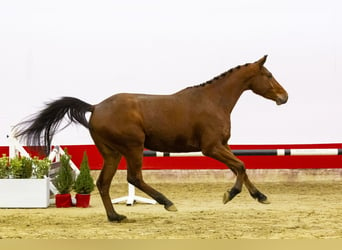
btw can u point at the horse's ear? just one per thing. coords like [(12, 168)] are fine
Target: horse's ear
[(262, 61)]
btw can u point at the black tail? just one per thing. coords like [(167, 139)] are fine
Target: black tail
[(39, 130)]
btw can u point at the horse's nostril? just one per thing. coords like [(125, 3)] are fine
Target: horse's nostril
[(282, 99), (286, 97)]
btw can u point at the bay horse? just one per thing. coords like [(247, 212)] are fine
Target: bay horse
[(195, 119)]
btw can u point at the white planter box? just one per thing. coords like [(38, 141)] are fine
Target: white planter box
[(24, 193)]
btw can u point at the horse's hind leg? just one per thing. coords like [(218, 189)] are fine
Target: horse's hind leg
[(134, 177), (111, 161)]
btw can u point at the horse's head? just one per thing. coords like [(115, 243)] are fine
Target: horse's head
[(264, 84)]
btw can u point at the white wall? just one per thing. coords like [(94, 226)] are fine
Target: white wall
[(92, 49)]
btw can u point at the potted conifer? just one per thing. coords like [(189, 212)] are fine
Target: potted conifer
[(84, 184), (64, 181)]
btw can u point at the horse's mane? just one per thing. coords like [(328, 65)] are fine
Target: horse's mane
[(224, 74)]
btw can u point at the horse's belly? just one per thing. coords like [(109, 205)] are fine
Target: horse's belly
[(171, 144)]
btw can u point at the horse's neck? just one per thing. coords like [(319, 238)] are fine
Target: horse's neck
[(228, 92), (223, 92)]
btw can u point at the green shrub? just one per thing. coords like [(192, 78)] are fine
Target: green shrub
[(4, 166), (42, 167), (20, 167), (84, 183), (65, 176), (26, 167)]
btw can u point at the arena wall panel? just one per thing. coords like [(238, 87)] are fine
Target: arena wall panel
[(200, 162)]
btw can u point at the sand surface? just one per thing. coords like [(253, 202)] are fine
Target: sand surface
[(298, 210)]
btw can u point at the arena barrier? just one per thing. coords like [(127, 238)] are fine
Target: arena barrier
[(256, 152), (295, 156), (311, 156)]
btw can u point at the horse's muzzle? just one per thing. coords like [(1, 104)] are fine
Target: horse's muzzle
[(282, 99)]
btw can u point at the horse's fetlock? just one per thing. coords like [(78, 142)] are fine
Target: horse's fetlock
[(234, 191)]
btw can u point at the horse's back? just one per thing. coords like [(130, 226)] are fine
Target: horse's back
[(125, 110)]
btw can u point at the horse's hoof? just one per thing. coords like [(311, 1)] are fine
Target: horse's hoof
[(225, 197), (126, 220), (262, 198), (171, 208), (229, 195), (265, 201), (119, 218)]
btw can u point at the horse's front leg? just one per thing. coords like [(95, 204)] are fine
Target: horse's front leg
[(134, 177), (223, 154), (254, 192)]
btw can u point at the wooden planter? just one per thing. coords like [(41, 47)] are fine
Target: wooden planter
[(24, 193)]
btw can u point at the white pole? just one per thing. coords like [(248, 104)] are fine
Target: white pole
[(131, 198)]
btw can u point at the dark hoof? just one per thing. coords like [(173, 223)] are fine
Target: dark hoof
[(264, 200), (118, 218), (260, 197), (229, 195)]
